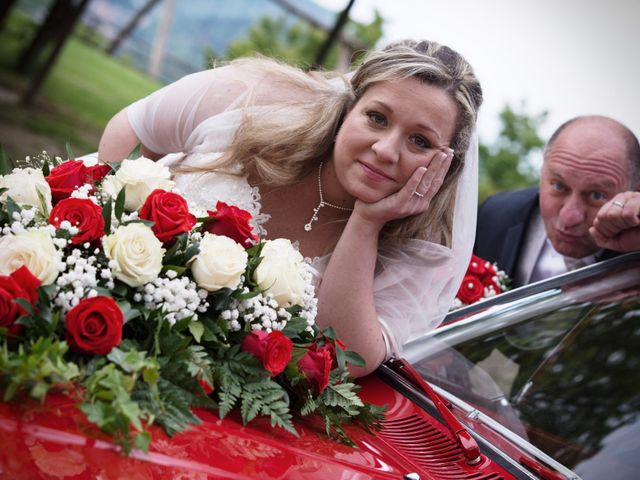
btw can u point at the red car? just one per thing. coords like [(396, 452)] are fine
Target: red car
[(539, 382)]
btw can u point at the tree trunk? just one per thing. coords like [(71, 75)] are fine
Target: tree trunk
[(128, 28), (72, 12), (334, 35), (5, 8), (57, 17), (352, 43)]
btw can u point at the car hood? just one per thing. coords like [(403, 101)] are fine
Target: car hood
[(52, 440)]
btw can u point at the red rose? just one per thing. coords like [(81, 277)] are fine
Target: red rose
[(29, 283), (96, 173), (331, 348), (232, 222), (81, 213), (170, 214), (315, 365), (206, 387), (477, 266), (489, 281), (490, 271), (94, 326), (272, 349), (20, 284), (471, 290), (69, 175)]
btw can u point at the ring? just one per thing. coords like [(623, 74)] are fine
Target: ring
[(618, 204), (418, 194)]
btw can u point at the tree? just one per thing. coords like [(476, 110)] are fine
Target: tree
[(131, 24), (48, 42), (299, 42), (5, 8), (507, 163), (333, 35)]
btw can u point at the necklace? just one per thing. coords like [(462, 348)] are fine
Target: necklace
[(322, 203)]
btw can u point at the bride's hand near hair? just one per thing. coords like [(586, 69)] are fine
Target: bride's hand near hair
[(352, 264), (414, 197)]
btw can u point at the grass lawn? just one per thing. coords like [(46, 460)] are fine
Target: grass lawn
[(84, 90)]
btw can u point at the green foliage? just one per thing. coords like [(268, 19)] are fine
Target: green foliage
[(135, 153), (109, 400), (5, 164), (37, 367), (298, 42), (506, 164), (242, 380), (161, 365), (78, 103), (339, 403)]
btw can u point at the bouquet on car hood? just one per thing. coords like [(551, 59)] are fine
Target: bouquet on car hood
[(116, 291)]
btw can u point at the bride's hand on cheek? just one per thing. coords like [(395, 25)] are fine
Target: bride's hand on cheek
[(413, 198)]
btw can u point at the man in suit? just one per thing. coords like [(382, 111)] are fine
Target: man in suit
[(586, 208)]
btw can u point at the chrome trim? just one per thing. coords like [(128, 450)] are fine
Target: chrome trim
[(508, 434), (531, 289), (513, 312), (493, 319)]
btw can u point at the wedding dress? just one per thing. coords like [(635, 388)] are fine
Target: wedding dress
[(416, 281)]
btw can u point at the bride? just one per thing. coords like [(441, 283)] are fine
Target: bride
[(374, 178)]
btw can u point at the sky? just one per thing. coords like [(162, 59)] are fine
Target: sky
[(568, 57)]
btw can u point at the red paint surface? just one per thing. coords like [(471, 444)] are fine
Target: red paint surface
[(54, 441)]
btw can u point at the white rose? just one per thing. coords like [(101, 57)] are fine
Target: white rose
[(137, 254), (281, 272), (139, 178), (220, 263), (23, 185), (90, 159), (33, 248)]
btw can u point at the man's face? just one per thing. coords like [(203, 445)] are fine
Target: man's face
[(585, 167)]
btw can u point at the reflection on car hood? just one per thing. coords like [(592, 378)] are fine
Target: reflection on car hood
[(51, 440)]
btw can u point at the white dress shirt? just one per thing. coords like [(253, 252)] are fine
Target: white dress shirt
[(539, 260)]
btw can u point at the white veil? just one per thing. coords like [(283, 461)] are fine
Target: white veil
[(419, 280)]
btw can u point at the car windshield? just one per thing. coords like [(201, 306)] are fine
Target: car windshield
[(559, 368)]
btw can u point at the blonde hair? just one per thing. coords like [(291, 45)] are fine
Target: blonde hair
[(440, 66), (290, 137)]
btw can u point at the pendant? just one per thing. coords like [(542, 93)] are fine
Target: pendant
[(314, 217)]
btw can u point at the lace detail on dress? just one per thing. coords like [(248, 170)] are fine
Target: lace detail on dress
[(259, 219), (204, 189)]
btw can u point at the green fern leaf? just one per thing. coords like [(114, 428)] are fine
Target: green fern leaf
[(343, 396)]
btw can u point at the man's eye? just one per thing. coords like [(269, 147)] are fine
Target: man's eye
[(557, 186), (420, 141), (377, 118), (598, 196)]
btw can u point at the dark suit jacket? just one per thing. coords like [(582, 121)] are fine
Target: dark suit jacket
[(502, 225), (502, 228)]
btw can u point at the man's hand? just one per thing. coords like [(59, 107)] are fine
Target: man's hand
[(617, 225)]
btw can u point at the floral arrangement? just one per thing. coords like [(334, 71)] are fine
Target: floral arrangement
[(482, 280), (116, 291)]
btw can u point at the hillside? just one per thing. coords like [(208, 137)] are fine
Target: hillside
[(198, 27)]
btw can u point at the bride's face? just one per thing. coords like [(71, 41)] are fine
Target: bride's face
[(392, 130)]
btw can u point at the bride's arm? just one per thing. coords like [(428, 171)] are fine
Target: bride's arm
[(163, 121), (119, 139), (346, 294)]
